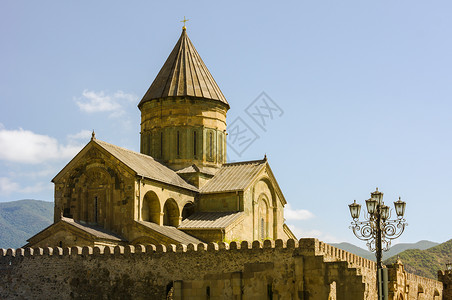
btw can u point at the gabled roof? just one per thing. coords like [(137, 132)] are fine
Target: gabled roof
[(195, 169), (239, 176), (210, 220), (234, 176), (143, 165), (171, 232), (97, 233), (184, 74)]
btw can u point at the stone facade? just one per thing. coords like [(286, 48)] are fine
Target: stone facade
[(179, 189), (403, 285), (177, 222), (306, 269), (184, 131)]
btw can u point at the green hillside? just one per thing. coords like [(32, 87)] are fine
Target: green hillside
[(19, 220), (394, 250), (425, 262)]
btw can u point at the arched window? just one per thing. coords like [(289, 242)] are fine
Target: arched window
[(220, 148), (194, 143), (188, 210), (171, 213), (178, 143), (263, 219), (211, 145), (96, 210), (150, 211)]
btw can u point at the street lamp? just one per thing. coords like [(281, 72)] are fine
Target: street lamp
[(378, 230)]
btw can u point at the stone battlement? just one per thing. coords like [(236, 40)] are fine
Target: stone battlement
[(423, 280), (307, 268), (304, 246), (332, 253)]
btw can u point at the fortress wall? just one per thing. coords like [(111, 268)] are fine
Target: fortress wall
[(293, 269), (423, 288), (332, 253)]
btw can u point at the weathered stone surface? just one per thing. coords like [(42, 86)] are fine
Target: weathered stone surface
[(248, 273), (251, 273)]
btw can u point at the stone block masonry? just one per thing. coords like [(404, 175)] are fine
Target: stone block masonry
[(306, 269)]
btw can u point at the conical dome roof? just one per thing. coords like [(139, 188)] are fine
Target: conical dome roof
[(184, 74)]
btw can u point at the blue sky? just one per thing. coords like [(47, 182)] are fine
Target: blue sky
[(364, 91)]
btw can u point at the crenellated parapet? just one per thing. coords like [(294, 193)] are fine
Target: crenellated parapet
[(301, 269), (332, 253), (8, 254), (283, 268), (312, 247)]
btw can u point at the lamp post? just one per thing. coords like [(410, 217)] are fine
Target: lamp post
[(378, 230)]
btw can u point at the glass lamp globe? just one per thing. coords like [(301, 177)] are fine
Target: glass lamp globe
[(355, 209), (384, 212), (371, 205), (378, 196), (400, 207)]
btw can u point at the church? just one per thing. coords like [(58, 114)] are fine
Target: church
[(179, 189), (176, 221)]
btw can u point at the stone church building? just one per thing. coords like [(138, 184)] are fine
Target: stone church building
[(179, 189), (177, 222)]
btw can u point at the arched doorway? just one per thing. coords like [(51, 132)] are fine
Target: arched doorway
[(171, 216), (150, 211), (94, 191), (188, 210)]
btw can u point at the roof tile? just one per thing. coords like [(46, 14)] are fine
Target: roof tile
[(145, 165), (171, 232), (210, 220), (184, 74), (233, 177)]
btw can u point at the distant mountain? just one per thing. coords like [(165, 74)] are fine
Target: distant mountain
[(425, 262), (421, 245), (394, 250), (20, 220), (355, 250)]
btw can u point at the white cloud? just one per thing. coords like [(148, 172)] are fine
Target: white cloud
[(83, 135), (312, 233), (297, 214), (36, 188), (92, 102), (25, 146), (7, 186), (121, 95)]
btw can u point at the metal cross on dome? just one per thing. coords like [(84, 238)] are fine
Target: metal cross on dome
[(184, 20)]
